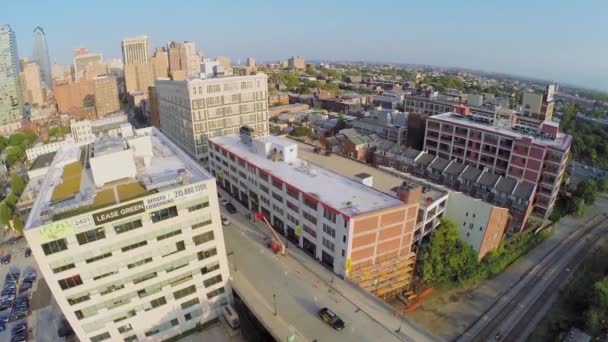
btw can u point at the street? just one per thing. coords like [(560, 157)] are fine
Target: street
[(300, 292), (580, 172)]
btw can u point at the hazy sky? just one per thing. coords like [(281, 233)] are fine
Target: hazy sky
[(562, 40)]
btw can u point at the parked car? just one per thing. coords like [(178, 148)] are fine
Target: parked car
[(230, 207), (331, 318), (19, 328), (65, 329), (6, 259), (28, 252), (225, 220), (224, 201)]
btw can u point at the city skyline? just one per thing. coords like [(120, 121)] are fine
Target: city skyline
[(529, 45)]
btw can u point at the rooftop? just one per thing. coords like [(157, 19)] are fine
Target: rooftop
[(43, 160), (561, 141), (69, 187)]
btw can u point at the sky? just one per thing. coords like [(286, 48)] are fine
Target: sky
[(559, 40)]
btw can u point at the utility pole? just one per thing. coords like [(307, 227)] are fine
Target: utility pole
[(274, 298)]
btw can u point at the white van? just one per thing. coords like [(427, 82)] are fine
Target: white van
[(231, 317)]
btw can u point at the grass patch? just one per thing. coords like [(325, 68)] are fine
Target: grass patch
[(130, 191), (70, 184), (104, 198)]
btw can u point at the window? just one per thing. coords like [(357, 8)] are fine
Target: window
[(190, 303), (205, 237), (330, 215), (277, 197), (54, 246), (198, 206), (292, 219), (310, 231), (70, 282), (100, 337), (132, 338), (63, 268), (162, 327), (139, 263), (309, 217), (292, 206), (193, 314), (329, 230), (168, 235), (125, 227), (277, 184), (210, 268), (105, 275), (330, 245), (309, 203), (125, 328), (145, 277), (201, 224), (344, 238), (157, 302), (212, 281), (264, 188), (184, 292), (135, 245), (215, 293), (293, 193), (90, 236), (277, 209), (342, 252), (80, 299), (163, 214), (207, 253), (99, 257)]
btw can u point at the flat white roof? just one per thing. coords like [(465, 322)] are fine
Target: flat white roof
[(562, 141), (330, 188), (161, 169)]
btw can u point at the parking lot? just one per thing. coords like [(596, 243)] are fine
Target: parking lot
[(36, 304)]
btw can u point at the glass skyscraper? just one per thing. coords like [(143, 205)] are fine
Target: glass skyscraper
[(10, 82), (41, 56)]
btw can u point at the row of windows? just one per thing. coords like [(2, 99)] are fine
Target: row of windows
[(162, 327), (163, 214), (309, 217), (212, 281), (127, 226), (70, 282), (329, 230), (135, 245), (90, 236), (202, 238), (184, 292), (328, 244), (98, 257)]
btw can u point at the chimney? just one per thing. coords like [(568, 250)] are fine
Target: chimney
[(411, 195)]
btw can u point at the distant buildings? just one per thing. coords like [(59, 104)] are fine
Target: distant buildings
[(11, 100), (537, 108), (131, 249), (138, 70), (106, 95), (296, 62), (160, 63), (33, 93), (89, 66), (195, 109), (40, 55), (88, 98), (388, 125), (136, 50)]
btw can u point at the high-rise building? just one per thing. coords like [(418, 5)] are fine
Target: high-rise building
[(11, 100), (537, 108), (32, 84), (130, 248), (76, 99), (224, 62), (138, 70), (41, 56), (136, 50), (178, 57), (79, 51), (154, 110), (193, 61), (296, 62), (82, 60), (537, 156), (250, 62), (160, 63), (195, 109), (106, 95)]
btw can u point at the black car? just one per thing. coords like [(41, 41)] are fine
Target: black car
[(65, 329), (19, 328), (331, 318), (28, 252), (20, 337), (231, 208)]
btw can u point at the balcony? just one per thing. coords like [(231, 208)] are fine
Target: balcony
[(517, 161), (446, 138), (460, 133)]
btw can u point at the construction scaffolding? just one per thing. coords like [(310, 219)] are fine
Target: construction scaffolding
[(385, 279)]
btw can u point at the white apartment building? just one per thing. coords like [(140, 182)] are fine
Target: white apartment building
[(195, 109), (128, 236)]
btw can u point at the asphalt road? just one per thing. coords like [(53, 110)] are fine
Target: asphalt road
[(580, 172), (300, 293)]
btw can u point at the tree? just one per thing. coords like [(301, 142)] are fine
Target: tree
[(579, 207), (446, 259), (11, 200), (17, 185), (588, 191), (5, 213), (340, 124), (18, 225), (603, 185)]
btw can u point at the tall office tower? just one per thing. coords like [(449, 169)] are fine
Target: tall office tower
[(195, 109), (160, 63), (296, 62), (82, 60), (129, 239), (41, 56), (32, 84), (193, 61), (106, 95), (250, 62), (178, 57), (136, 50), (10, 81)]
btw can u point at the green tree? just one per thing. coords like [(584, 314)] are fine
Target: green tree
[(16, 139), (18, 225), (340, 124), (603, 185), (11, 200), (5, 213), (588, 191), (579, 207), (446, 259), (17, 185)]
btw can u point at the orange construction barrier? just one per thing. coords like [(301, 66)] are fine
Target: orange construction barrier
[(419, 301)]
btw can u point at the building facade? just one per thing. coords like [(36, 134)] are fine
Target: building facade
[(106, 95), (195, 109), (33, 93), (40, 55), (353, 229), (296, 62), (138, 70), (535, 156), (11, 99), (160, 63), (136, 50), (141, 255)]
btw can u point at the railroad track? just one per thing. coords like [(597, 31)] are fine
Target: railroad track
[(487, 327)]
